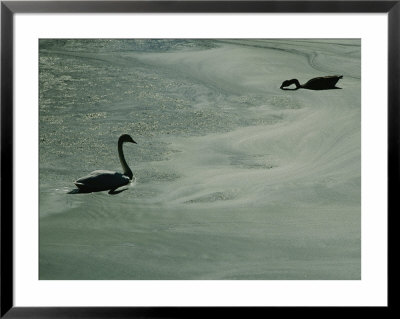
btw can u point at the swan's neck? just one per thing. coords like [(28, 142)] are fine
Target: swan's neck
[(125, 167), (296, 82)]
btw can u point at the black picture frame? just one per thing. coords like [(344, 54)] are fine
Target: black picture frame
[(9, 8)]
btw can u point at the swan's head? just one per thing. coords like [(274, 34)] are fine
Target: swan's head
[(126, 138), (285, 84), (289, 83)]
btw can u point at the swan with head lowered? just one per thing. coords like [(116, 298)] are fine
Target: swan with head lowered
[(320, 83), (102, 180)]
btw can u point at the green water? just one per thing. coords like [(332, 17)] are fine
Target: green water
[(235, 178)]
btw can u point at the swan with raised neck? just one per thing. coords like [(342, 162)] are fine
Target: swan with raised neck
[(102, 180)]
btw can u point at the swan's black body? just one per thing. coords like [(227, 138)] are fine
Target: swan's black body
[(320, 83), (102, 180)]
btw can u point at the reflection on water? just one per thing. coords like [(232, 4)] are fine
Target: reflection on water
[(235, 178)]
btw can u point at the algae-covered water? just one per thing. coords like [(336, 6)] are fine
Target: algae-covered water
[(235, 178)]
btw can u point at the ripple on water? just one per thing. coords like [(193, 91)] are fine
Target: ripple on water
[(283, 102), (212, 197), (147, 175)]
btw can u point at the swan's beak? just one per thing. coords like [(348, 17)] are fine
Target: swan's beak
[(134, 142)]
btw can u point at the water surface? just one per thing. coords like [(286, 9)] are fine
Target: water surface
[(235, 178)]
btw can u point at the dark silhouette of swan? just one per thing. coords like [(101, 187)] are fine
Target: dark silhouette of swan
[(102, 180), (320, 83)]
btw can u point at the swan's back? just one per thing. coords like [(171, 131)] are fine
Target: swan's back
[(322, 83), (101, 180)]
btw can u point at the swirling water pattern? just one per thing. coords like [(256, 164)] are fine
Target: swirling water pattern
[(236, 179)]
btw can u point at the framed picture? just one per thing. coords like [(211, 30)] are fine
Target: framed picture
[(189, 158)]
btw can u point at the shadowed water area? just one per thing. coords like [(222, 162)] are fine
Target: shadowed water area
[(235, 178)]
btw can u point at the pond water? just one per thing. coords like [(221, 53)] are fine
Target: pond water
[(235, 178)]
